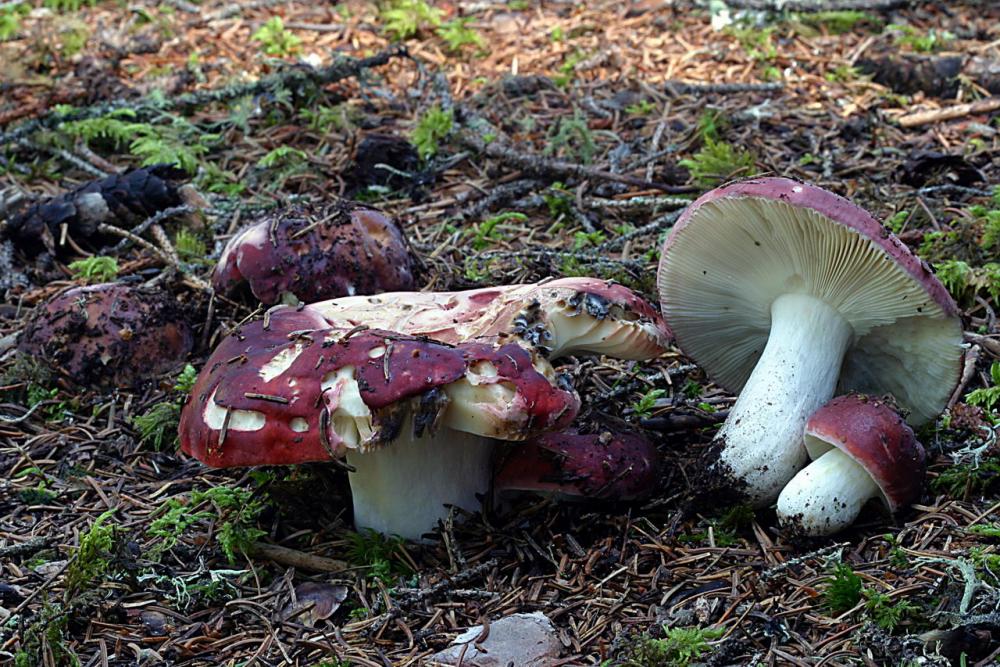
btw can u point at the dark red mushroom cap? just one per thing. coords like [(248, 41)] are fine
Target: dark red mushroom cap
[(872, 432), (287, 381), (315, 253), (610, 465), (108, 335), (739, 247)]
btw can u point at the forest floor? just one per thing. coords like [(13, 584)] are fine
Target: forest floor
[(554, 139)]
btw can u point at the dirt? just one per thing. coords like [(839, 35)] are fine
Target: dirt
[(591, 121)]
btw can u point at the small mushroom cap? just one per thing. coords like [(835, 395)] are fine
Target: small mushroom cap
[(524, 312), (610, 465), (289, 392), (738, 247), (876, 437), (315, 253), (108, 335)]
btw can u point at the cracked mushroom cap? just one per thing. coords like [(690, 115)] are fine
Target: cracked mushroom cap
[(610, 465), (316, 252), (741, 246), (874, 435), (294, 393), (108, 335), (561, 316)]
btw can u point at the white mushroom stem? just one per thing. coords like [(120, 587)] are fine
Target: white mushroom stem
[(402, 488), (795, 375), (827, 495)]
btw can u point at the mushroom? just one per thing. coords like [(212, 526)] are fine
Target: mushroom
[(311, 252), (785, 293), (608, 465), (415, 418), (561, 317), (861, 448), (108, 334)]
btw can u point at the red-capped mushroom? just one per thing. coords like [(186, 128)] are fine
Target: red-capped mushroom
[(786, 293), (608, 465), (561, 317), (414, 417), (312, 252), (861, 449), (108, 334)]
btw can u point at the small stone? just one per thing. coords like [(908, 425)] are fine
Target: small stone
[(525, 640)]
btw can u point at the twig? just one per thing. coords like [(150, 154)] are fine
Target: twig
[(66, 156), (638, 203), (415, 596), (537, 164), (499, 195), (154, 219), (792, 562), (29, 547), (289, 78), (949, 113), (656, 226), (676, 88), (817, 5), (294, 558), (592, 257), (105, 228)]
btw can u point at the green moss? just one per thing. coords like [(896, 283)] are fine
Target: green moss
[(716, 162), (431, 129), (843, 590)]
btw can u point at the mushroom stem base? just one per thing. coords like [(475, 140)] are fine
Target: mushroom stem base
[(795, 375), (402, 488), (826, 496)]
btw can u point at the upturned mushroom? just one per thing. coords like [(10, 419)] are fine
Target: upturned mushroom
[(861, 448), (110, 334), (414, 417), (560, 317), (313, 252), (607, 465), (786, 293)]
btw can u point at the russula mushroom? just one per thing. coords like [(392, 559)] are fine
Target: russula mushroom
[(608, 465), (861, 448), (414, 417), (785, 293), (561, 317), (313, 252), (108, 334)]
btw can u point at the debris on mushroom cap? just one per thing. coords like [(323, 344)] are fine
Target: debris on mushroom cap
[(317, 252), (125, 199), (560, 317), (283, 395), (873, 434), (738, 247), (108, 334), (609, 465)]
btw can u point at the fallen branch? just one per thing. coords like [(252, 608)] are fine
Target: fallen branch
[(29, 547), (557, 169), (676, 88), (818, 5), (291, 77), (950, 113), (298, 559)]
